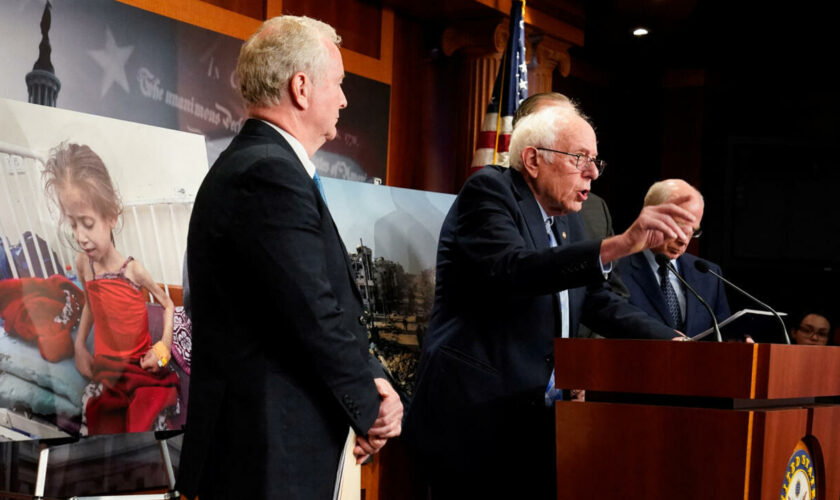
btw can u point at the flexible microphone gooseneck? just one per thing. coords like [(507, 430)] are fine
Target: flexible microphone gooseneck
[(663, 260), (703, 267)]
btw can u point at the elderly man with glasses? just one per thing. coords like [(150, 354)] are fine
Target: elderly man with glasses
[(657, 291), (515, 269)]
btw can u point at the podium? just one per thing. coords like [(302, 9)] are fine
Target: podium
[(692, 420)]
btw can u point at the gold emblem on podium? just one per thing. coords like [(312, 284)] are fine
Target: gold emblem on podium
[(799, 482)]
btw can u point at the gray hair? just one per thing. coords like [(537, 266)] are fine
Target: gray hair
[(663, 191), (540, 129), (281, 47), (535, 101)]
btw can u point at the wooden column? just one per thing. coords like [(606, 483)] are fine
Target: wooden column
[(480, 45), (546, 54)]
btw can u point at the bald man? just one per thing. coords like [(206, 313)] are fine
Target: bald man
[(675, 307)]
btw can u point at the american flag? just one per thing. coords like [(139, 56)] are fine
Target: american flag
[(510, 89)]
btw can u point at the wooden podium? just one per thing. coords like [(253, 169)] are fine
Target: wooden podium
[(697, 420)]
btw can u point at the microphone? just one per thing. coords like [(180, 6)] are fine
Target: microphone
[(703, 267), (663, 260)]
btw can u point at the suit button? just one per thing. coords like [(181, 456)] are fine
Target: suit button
[(362, 320), (549, 359)]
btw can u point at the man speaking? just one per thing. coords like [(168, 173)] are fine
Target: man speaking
[(515, 270)]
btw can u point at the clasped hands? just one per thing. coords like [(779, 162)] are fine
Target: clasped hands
[(388, 423)]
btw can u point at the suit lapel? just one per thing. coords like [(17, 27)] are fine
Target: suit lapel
[(643, 274), (530, 210), (262, 129), (694, 310)]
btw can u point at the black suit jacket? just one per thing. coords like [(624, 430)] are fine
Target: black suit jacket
[(646, 294), (598, 223), (488, 353), (280, 365)]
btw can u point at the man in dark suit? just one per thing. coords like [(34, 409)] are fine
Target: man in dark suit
[(675, 307), (281, 369), (594, 211), (514, 271)]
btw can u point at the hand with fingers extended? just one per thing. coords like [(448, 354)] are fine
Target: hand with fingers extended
[(655, 225)]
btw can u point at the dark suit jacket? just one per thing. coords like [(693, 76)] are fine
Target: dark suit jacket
[(488, 353), (646, 294), (280, 365), (598, 223)]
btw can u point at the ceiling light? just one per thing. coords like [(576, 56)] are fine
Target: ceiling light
[(640, 31)]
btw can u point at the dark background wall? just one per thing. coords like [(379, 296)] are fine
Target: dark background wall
[(741, 101)]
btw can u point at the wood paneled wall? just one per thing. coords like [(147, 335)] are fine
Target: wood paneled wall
[(432, 124)]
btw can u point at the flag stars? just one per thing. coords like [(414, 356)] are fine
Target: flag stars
[(112, 59)]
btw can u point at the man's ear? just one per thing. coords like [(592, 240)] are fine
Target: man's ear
[(300, 89), (529, 162)]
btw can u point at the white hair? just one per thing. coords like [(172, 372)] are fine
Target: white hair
[(663, 191), (540, 129), (281, 47)]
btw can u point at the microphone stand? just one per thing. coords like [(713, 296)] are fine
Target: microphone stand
[(663, 260), (703, 267)]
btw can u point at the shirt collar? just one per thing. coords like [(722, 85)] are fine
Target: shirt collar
[(545, 216), (655, 265), (297, 147)]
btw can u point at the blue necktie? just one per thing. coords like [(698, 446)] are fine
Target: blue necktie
[(553, 394), (317, 179), (670, 298)]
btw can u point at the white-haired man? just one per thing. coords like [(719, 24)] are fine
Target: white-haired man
[(514, 271), (656, 290), (281, 369)]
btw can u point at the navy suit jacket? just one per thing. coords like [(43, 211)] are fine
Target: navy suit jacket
[(646, 294), (280, 365), (488, 353)]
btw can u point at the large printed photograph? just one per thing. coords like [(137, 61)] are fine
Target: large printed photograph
[(110, 59), (93, 223), (94, 215), (392, 236)]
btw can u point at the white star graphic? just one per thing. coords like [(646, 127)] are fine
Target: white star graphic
[(112, 59)]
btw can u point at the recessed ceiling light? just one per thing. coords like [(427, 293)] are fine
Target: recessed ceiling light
[(640, 31)]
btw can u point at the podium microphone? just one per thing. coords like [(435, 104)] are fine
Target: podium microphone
[(703, 267), (663, 260)]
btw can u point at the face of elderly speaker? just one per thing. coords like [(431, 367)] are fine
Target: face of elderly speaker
[(560, 170)]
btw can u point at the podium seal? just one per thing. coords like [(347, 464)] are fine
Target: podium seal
[(800, 482)]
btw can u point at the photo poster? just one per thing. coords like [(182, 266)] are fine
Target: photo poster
[(391, 235), (115, 60), (156, 173)]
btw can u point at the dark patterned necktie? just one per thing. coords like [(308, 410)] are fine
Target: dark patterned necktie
[(670, 298)]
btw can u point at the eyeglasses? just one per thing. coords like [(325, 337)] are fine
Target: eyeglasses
[(813, 332), (695, 232), (599, 165)]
